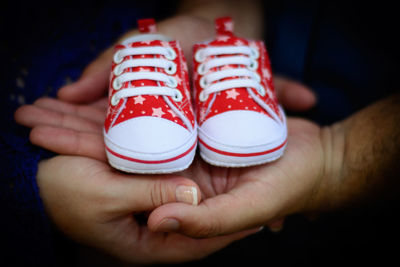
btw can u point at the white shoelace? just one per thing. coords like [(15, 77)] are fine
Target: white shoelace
[(167, 64), (246, 76), (242, 76)]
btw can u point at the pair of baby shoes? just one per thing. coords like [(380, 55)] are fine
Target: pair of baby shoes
[(153, 125)]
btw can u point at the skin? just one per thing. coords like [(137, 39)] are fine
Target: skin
[(89, 201), (93, 204), (323, 169), (97, 206)]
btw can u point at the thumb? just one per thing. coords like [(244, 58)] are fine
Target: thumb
[(92, 84), (143, 193), (216, 216), (293, 95)]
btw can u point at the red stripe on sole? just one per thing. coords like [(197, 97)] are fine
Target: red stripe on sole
[(151, 161), (242, 154)]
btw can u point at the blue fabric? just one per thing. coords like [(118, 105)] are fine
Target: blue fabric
[(346, 52), (43, 48), (347, 57)]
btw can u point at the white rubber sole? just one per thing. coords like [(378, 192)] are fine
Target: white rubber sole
[(233, 156), (151, 163)]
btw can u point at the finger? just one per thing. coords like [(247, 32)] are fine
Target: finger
[(179, 248), (84, 111), (101, 104), (293, 95), (31, 116), (220, 215), (276, 225), (143, 193), (92, 84), (69, 142)]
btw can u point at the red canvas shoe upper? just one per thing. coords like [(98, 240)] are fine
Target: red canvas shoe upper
[(232, 73), (149, 78)]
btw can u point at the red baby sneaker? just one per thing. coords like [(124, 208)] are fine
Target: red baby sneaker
[(240, 120), (150, 125)]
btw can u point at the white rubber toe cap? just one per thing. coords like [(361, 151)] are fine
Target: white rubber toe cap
[(242, 128), (148, 135)]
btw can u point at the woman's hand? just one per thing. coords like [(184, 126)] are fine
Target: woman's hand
[(77, 130), (242, 198), (95, 205)]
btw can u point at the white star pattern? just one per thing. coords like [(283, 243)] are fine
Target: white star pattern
[(164, 44), (202, 114), (178, 79), (146, 42), (223, 38), (152, 29), (231, 94), (184, 66), (254, 45), (270, 94), (113, 111), (157, 112), (172, 113), (146, 105), (239, 42), (266, 73), (187, 93), (228, 25), (226, 67), (139, 99)]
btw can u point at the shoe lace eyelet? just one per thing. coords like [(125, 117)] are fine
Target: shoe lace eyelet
[(114, 100), (171, 82), (171, 68), (171, 55), (254, 53), (199, 56), (117, 84), (177, 96), (253, 65), (203, 82), (201, 69), (117, 57), (202, 96), (118, 70)]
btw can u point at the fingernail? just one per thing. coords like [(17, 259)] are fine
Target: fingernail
[(187, 194), (168, 225), (276, 229)]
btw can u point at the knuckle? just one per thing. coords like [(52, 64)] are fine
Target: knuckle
[(158, 193)]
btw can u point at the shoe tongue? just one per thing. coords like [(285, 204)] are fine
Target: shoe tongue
[(148, 36), (224, 26), (225, 35), (145, 37), (148, 30)]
